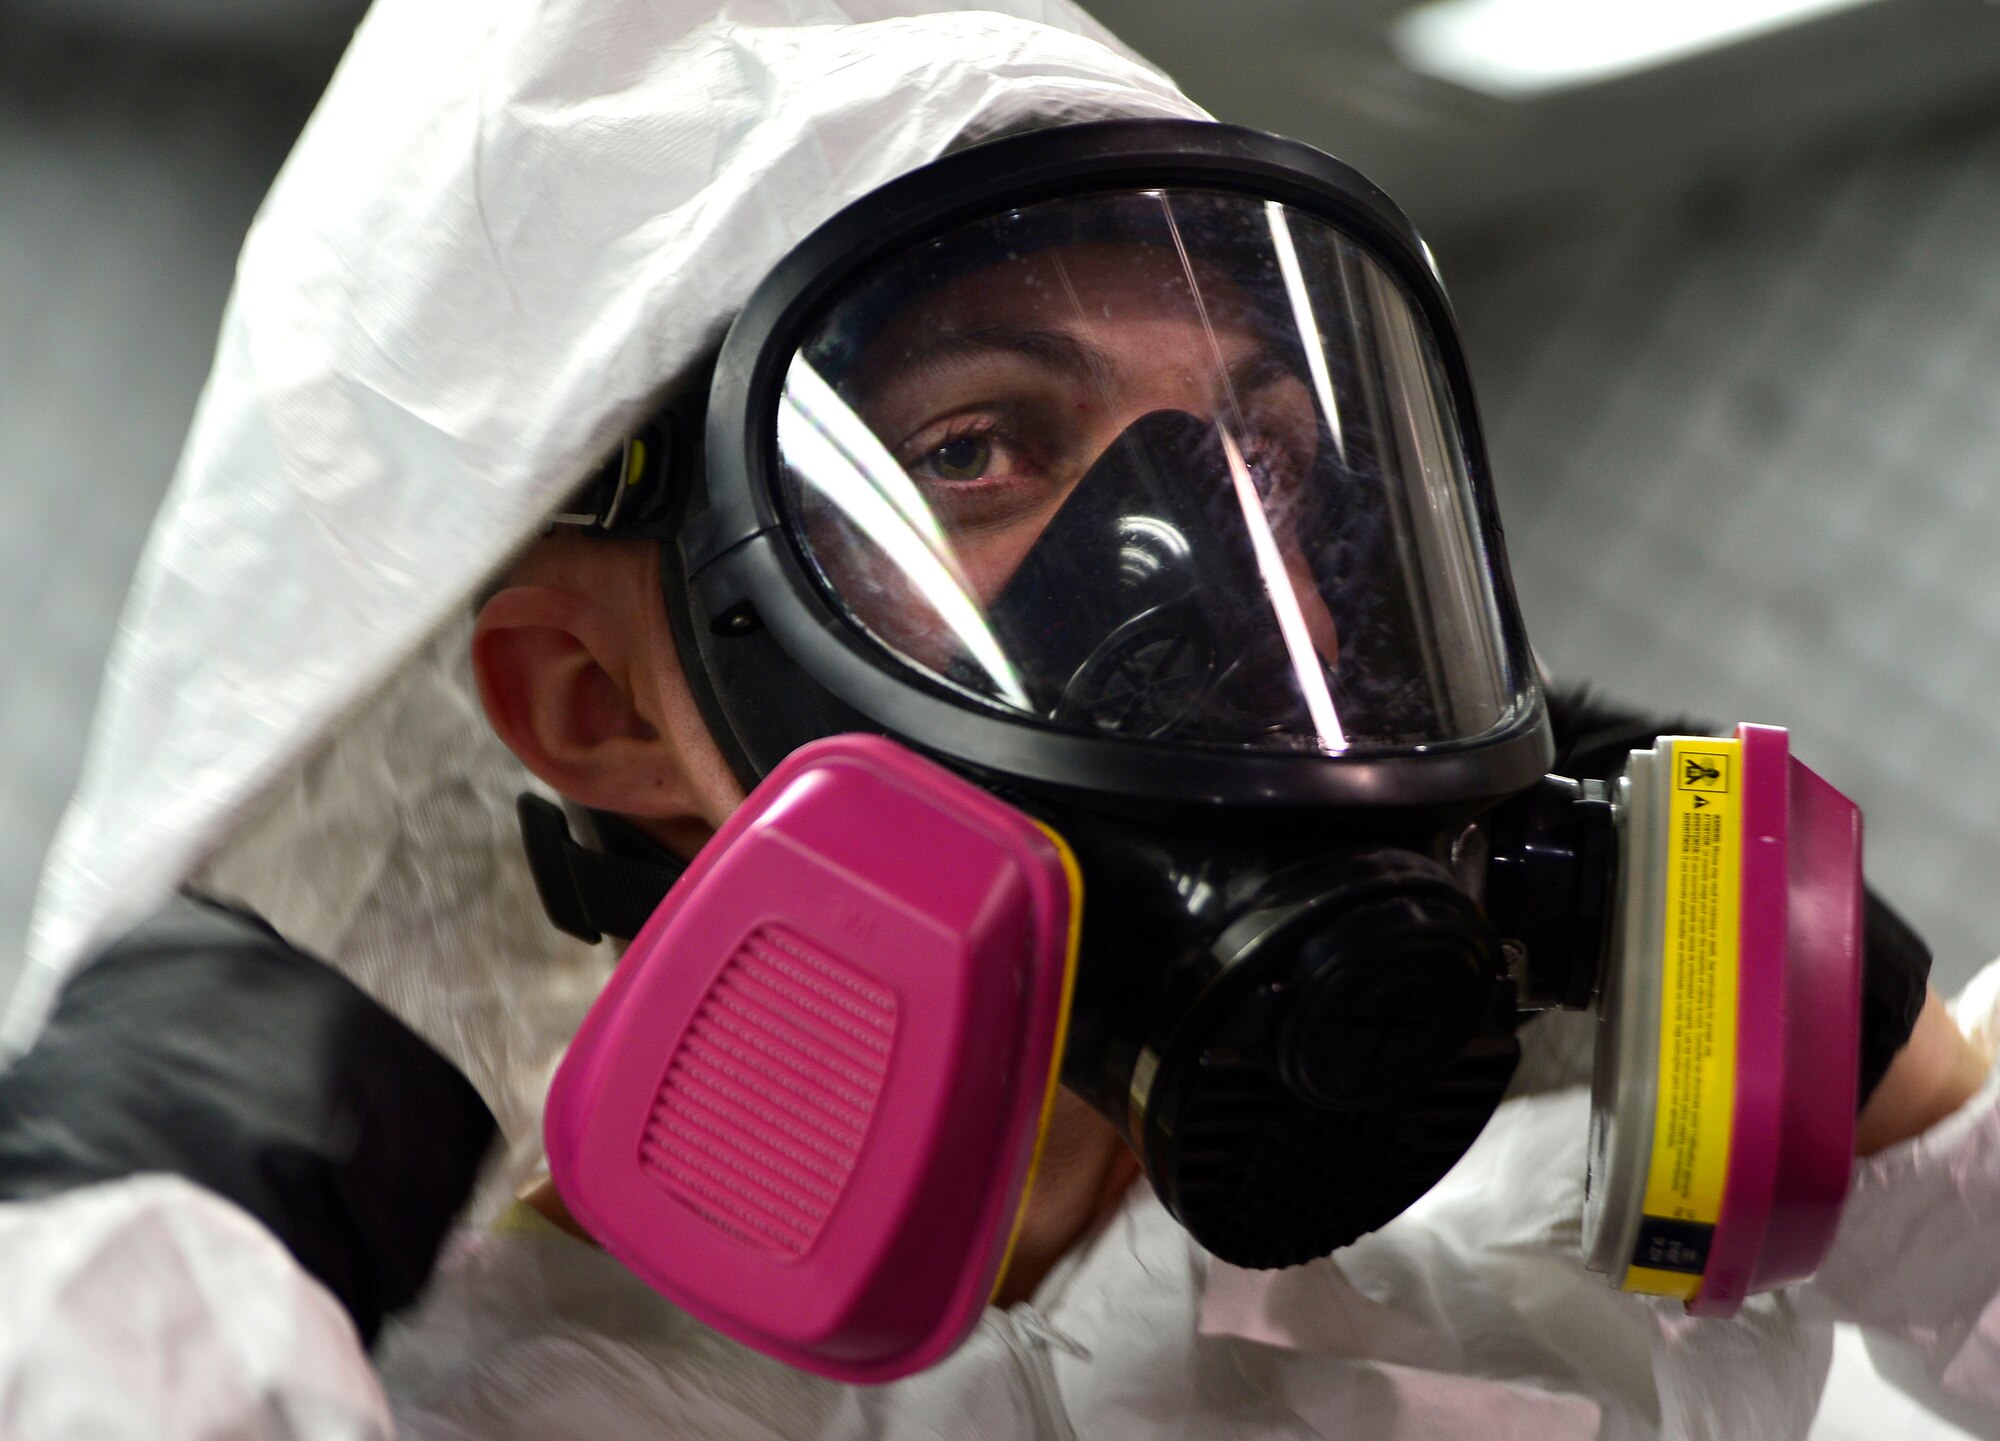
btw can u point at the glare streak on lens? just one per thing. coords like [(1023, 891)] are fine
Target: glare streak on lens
[(849, 433), (1306, 667), (1302, 316), (1233, 405), (835, 452)]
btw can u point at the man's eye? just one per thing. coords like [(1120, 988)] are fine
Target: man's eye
[(966, 458)]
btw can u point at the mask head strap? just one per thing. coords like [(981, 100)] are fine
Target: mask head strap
[(592, 894)]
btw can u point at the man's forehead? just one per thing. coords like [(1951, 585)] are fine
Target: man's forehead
[(1090, 275), (1053, 305)]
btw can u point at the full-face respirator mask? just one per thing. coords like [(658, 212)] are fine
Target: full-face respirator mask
[(1090, 559)]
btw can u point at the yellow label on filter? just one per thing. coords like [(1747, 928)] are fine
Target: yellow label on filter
[(1651, 1281), (1073, 943), (1698, 980)]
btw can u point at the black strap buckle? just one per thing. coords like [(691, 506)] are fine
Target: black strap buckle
[(591, 894)]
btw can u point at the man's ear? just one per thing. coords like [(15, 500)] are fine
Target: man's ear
[(562, 678)]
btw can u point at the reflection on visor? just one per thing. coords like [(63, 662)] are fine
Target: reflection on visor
[(1171, 465), (1302, 316), (1291, 618), (838, 455)]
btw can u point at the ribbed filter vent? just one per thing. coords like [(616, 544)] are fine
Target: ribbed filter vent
[(1263, 1181), (767, 1099)]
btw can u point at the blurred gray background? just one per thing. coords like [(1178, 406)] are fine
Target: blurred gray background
[(1735, 320)]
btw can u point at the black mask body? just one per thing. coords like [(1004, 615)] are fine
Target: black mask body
[(1288, 998), (1131, 471)]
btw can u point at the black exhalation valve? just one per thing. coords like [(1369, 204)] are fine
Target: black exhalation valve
[(1388, 983), (1552, 861), (1355, 1039)]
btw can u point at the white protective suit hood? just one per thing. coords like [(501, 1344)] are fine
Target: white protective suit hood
[(507, 228)]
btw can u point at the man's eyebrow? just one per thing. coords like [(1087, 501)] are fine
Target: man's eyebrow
[(1267, 364), (1058, 350)]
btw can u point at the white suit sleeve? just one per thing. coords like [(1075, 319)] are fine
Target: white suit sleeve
[(1917, 1257), (151, 1309)]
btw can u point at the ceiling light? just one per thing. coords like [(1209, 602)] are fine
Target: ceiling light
[(1518, 48)]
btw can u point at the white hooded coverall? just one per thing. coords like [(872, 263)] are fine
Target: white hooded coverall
[(509, 225)]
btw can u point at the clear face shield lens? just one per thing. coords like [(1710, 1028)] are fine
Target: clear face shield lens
[(1175, 465)]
